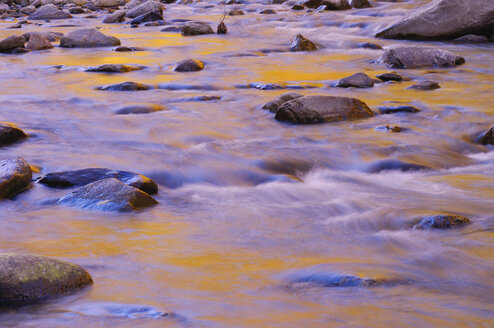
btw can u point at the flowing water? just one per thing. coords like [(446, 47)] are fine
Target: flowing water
[(246, 201)]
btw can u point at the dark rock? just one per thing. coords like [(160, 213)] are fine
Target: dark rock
[(393, 164), (9, 134), (147, 17), (267, 11), (319, 109), (360, 4), (28, 278), (369, 45), (126, 86), (15, 176), (204, 98), (88, 38), (115, 17), (78, 178), (324, 279), (297, 7), (144, 8), (49, 11), (390, 77), (172, 29), (275, 104), (176, 87), (50, 36), (444, 19), (38, 42), (127, 49), (189, 65), (415, 57), (337, 4), (139, 109), (425, 85), (300, 43), (76, 11), (357, 80), (221, 29), (472, 38), (114, 68), (19, 51), (236, 12), (108, 195), (488, 137), (196, 28), (441, 222), (290, 166), (12, 42), (312, 3), (398, 109), (389, 128)]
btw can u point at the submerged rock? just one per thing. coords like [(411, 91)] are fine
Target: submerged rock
[(15, 176), (329, 279), (108, 195), (77, 178), (28, 278), (441, 222), (196, 28), (114, 68), (9, 134), (357, 80), (139, 109), (11, 43), (300, 43), (126, 86), (415, 57), (275, 104), (398, 109), (319, 109), (394, 164), (425, 85), (49, 11), (488, 137), (189, 65), (88, 38), (444, 19)]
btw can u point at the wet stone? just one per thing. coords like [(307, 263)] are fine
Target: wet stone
[(38, 42), (275, 104), (398, 109), (360, 4), (127, 49), (11, 43), (88, 38), (49, 11), (369, 45), (488, 137), (416, 57), (15, 176), (390, 77), (323, 279), (115, 17), (139, 109), (471, 38), (236, 12), (389, 128), (221, 29), (126, 86), (357, 80), (189, 65), (147, 17), (196, 28), (300, 43), (114, 68), (441, 222), (267, 11), (297, 7), (425, 85), (9, 134)]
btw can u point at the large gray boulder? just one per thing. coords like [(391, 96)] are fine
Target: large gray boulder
[(28, 278), (49, 11), (415, 57), (144, 8), (9, 133), (15, 176), (319, 109), (275, 104), (12, 42), (88, 38), (444, 19), (108, 195), (38, 41)]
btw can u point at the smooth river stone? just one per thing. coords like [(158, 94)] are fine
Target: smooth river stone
[(9, 134), (416, 57), (441, 222), (15, 176), (49, 11), (88, 38)]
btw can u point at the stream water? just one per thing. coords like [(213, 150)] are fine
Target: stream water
[(246, 201)]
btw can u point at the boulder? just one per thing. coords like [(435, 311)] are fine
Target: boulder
[(106, 3), (398, 109), (29, 278), (78, 178), (15, 176), (88, 38), (488, 137), (28, 10), (50, 36), (319, 109), (196, 28), (444, 19), (147, 17), (144, 8), (441, 222), (275, 104), (370, 45), (300, 43), (126, 86), (385, 77), (37, 41), (9, 133), (357, 80), (360, 3), (267, 11), (108, 195), (114, 68), (189, 65), (337, 4), (12, 42), (415, 57), (312, 3), (76, 11), (425, 85), (49, 11), (115, 17)]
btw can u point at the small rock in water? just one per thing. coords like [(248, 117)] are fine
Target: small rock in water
[(49, 11), (337, 4), (471, 38), (115, 17), (369, 45), (297, 7), (416, 57), (11, 43), (488, 138), (144, 8), (393, 164), (357, 80), (275, 104), (398, 109), (28, 278), (300, 43), (236, 12), (126, 86), (127, 49), (76, 11), (9, 134), (114, 68), (108, 195), (189, 65), (139, 109), (147, 17), (28, 10), (15, 176), (360, 4), (390, 77), (330, 279), (50, 36), (441, 222), (196, 28), (88, 38), (267, 11), (78, 178), (425, 85), (38, 42), (221, 29), (389, 128)]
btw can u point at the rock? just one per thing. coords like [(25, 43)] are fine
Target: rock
[(488, 137), (108, 195), (471, 38), (126, 86), (357, 80), (275, 104), (76, 11), (144, 8), (441, 222), (28, 278), (318, 109), (127, 49), (78, 178), (444, 19), (369, 45), (50, 36), (139, 109), (415, 57), (38, 42), (390, 77), (114, 68), (189, 65), (221, 29), (196, 28), (88, 38), (297, 7), (330, 279), (300, 43), (312, 3), (389, 128), (425, 85), (267, 11), (236, 12), (393, 164), (360, 4), (337, 4), (115, 17), (28, 10), (398, 109), (15, 176), (4, 7), (9, 134), (12, 42), (106, 3), (147, 17), (49, 11)]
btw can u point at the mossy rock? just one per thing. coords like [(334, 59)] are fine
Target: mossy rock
[(441, 222), (29, 278), (15, 176)]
